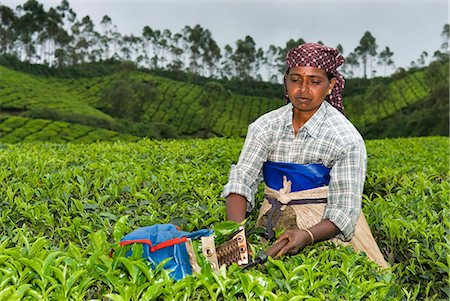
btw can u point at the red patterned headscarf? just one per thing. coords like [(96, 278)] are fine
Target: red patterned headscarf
[(323, 57)]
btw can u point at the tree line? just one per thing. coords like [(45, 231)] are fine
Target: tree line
[(57, 37)]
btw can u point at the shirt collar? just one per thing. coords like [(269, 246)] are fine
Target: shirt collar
[(313, 124)]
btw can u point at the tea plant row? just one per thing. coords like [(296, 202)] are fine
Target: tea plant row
[(65, 206), (21, 129), (375, 105), (188, 108)]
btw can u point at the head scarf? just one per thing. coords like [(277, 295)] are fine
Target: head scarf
[(323, 57)]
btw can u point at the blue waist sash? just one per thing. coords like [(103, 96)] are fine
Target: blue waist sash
[(302, 176)]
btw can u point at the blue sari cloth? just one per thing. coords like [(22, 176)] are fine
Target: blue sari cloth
[(302, 176)]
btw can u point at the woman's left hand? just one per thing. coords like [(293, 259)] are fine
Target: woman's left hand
[(297, 240)]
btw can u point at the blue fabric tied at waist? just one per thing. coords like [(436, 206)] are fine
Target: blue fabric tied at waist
[(302, 176)]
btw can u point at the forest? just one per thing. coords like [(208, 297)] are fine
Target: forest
[(57, 37)]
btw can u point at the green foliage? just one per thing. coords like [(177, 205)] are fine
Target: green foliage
[(128, 98), (144, 105), (406, 202), (50, 98), (92, 69), (424, 118), (358, 86), (18, 129), (137, 103), (436, 77), (242, 87), (385, 100), (64, 206)]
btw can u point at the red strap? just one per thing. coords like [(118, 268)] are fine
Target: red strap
[(165, 244), (129, 242), (168, 243)]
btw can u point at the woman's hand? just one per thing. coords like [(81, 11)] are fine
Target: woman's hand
[(297, 240), (300, 238)]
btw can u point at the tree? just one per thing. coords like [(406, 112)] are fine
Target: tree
[(385, 58), (164, 42), (8, 33), (203, 50), (64, 38), (445, 34), (176, 52), (52, 35), (444, 52), (126, 97), (270, 62), (243, 57), (87, 42), (152, 37), (351, 61), (211, 55), (30, 24), (259, 60), (147, 34), (366, 50), (193, 37), (130, 47), (227, 67), (106, 37), (67, 13), (421, 61)]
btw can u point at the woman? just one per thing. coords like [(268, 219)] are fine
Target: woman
[(311, 157)]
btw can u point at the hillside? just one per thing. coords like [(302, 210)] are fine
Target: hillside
[(181, 109), (427, 117), (60, 109), (21, 129), (382, 104)]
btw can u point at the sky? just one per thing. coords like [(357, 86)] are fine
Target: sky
[(407, 27)]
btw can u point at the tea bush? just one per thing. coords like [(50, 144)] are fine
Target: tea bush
[(65, 206)]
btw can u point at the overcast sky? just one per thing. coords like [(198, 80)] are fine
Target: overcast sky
[(407, 27)]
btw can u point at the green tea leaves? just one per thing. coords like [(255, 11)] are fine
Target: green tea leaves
[(64, 207)]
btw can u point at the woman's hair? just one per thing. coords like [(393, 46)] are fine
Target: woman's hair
[(330, 75)]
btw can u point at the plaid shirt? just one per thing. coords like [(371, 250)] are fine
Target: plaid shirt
[(327, 138)]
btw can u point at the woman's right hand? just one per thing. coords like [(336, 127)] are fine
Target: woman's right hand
[(297, 240)]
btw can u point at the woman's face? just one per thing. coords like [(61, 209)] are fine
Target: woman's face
[(307, 87)]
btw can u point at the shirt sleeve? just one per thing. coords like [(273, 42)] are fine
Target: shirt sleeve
[(345, 190), (246, 175)]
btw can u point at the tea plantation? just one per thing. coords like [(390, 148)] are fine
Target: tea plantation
[(65, 206), (40, 108)]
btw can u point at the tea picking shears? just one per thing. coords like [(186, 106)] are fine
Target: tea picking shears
[(262, 257)]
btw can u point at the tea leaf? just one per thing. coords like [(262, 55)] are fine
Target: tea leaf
[(120, 228)]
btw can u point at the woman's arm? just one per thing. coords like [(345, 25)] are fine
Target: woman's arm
[(236, 207), (245, 176), (344, 203), (300, 238)]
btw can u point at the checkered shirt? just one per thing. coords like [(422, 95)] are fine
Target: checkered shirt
[(327, 138)]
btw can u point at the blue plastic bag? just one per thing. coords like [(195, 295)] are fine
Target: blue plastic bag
[(162, 241)]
